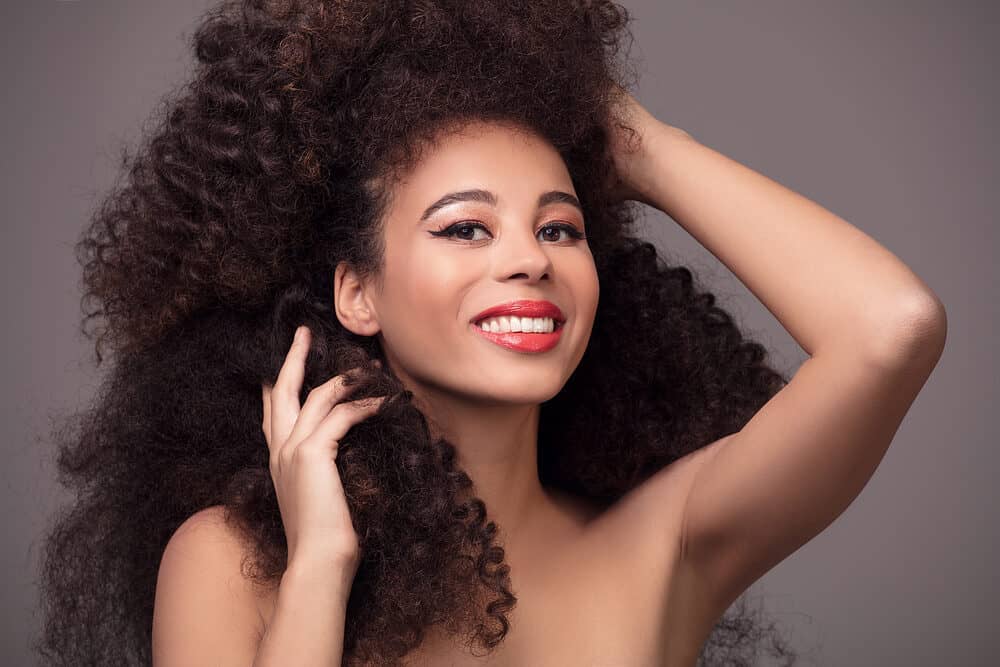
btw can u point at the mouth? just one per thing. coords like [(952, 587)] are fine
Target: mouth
[(522, 325), (533, 341), (521, 316)]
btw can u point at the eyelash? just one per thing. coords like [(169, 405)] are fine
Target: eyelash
[(451, 230)]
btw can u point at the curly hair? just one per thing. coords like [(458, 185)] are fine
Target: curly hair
[(272, 165)]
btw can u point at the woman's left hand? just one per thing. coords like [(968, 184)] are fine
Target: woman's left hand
[(632, 164)]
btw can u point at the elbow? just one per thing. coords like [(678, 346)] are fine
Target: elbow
[(915, 335)]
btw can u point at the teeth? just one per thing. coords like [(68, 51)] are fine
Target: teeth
[(518, 324)]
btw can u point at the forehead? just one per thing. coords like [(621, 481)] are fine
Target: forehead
[(514, 163)]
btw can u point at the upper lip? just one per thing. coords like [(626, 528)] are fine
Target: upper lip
[(523, 308)]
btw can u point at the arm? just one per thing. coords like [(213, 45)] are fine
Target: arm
[(874, 332), (308, 623), (827, 282)]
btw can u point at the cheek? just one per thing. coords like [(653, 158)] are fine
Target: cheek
[(588, 289), (434, 285), (423, 295)]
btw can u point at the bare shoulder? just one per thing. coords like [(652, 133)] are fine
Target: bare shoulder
[(642, 533), (652, 512), (206, 611)]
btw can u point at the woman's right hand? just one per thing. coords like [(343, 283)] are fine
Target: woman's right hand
[(303, 441)]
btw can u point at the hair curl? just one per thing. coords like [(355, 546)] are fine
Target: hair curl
[(271, 166)]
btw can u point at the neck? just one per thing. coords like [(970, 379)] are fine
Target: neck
[(497, 446)]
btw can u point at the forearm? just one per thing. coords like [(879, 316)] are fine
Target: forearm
[(827, 282), (307, 627)]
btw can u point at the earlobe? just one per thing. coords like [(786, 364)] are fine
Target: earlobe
[(351, 304)]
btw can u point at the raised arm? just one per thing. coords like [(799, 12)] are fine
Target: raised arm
[(874, 332)]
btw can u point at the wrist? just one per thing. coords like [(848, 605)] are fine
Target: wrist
[(664, 146), (333, 575), (659, 142)]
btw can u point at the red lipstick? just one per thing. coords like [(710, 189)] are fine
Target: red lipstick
[(518, 340), (523, 308)]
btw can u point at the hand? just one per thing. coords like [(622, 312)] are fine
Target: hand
[(303, 441), (631, 152)]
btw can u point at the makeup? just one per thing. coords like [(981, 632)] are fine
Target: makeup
[(520, 341)]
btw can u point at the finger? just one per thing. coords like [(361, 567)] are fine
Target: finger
[(340, 420), (285, 404), (318, 404), (326, 438), (266, 425)]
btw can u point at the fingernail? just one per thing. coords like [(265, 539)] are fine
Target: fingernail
[(299, 333)]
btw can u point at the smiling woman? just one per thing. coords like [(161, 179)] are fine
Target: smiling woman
[(423, 185), (485, 246)]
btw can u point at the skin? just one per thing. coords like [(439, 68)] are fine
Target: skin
[(678, 549), (483, 397)]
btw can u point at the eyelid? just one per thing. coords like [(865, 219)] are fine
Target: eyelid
[(574, 232), (470, 221)]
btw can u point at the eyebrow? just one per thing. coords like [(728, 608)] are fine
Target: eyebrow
[(487, 197)]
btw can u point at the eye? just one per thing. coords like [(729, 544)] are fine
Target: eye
[(461, 229), (571, 231)]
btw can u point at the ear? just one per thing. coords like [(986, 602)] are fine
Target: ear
[(351, 302)]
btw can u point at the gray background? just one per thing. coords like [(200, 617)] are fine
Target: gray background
[(883, 112)]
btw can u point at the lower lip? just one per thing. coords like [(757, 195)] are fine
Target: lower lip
[(520, 341)]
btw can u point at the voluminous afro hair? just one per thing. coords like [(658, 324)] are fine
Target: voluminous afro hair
[(276, 162)]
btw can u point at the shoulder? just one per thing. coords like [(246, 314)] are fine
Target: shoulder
[(643, 531), (202, 596), (652, 512), (206, 538), (209, 522)]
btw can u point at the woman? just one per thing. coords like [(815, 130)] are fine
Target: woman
[(398, 485)]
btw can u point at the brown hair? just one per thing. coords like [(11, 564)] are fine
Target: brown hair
[(272, 165)]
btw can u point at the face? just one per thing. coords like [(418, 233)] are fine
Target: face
[(450, 258)]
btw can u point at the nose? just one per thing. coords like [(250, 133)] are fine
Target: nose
[(520, 255)]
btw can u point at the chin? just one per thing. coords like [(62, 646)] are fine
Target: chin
[(517, 393)]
